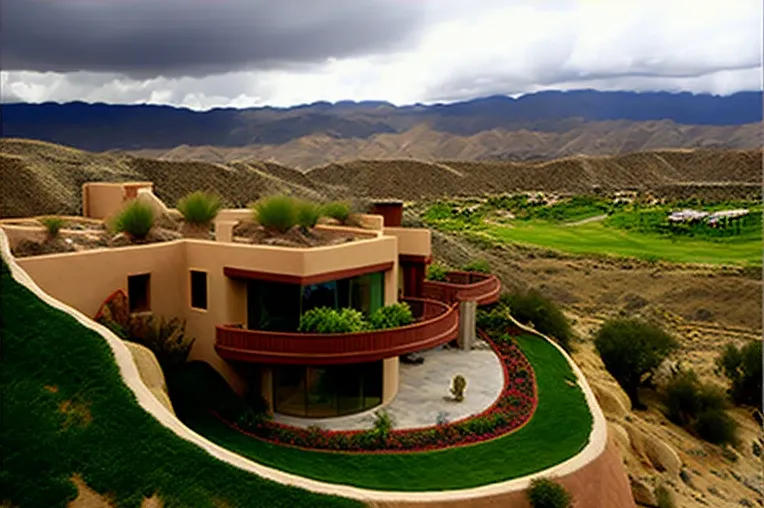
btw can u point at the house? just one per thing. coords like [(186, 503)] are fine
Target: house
[(242, 302)]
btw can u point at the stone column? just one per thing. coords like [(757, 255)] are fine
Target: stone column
[(467, 317)]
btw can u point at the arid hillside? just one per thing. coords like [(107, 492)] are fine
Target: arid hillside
[(44, 178), (425, 143)]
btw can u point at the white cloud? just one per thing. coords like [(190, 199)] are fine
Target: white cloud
[(465, 52)]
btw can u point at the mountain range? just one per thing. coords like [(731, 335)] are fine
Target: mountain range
[(551, 114)]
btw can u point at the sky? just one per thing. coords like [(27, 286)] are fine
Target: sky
[(241, 53)]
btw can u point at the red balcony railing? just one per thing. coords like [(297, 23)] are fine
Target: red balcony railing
[(437, 324), (463, 286)]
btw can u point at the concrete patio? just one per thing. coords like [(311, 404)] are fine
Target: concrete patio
[(424, 392)]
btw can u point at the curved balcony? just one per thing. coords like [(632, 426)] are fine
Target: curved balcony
[(464, 286), (437, 323)]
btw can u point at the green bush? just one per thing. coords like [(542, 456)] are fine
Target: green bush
[(742, 367), (383, 424), (544, 493), (276, 213), (53, 225), (338, 210), (664, 497), (308, 214), (478, 266), (716, 426), (437, 272), (631, 349), (199, 208), (136, 219), (533, 307), (493, 321), (391, 316), (328, 320)]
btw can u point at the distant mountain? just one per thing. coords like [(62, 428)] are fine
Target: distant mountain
[(100, 127)]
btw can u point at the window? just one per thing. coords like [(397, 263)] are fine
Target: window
[(198, 289), (138, 292)]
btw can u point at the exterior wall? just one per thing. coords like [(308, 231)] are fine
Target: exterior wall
[(411, 241), (101, 200), (390, 375)]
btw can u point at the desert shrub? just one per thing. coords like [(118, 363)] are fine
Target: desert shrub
[(165, 338), (199, 208), (545, 493), (53, 226), (338, 210), (391, 316), (742, 367), (533, 307), (307, 214), (383, 424), (664, 497), (478, 266), (436, 272), (458, 385), (631, 349), (276, 213), (328, 320), (495, 320), (136, 219), (699, 407)]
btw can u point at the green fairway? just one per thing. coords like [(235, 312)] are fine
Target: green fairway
[(558, 430), (66, 411), (597, 238)]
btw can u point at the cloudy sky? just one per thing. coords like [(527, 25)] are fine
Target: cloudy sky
[(212, 53)]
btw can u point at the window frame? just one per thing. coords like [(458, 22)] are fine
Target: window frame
[(142, 309), (206, 274)]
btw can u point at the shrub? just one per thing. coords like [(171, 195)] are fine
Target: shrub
[(699, 407), (533, 307), (307, 214), (338, 210), (459, 384), (252, 420), (53, 225), (664, 497), (391, 316), (276, 213), (136, 219), (436, 272), (199, 208), (630, 349), (742, 367), (478, 266), (383, 424), (328, 320), (494, 321), (545, 493)]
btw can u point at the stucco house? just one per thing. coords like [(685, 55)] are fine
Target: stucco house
[(242, 302)]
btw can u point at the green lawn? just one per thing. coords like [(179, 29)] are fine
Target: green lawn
[(66, 411), (597, 238), (558, 430)]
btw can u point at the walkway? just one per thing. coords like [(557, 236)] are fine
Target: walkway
[(424, 392)]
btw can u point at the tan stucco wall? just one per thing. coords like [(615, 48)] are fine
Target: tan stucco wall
[(411, 241), (101, 200), (390, 376)]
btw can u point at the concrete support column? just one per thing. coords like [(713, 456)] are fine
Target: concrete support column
[(390, 369), (467, 324)]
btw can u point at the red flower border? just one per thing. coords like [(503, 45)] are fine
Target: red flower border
[(510, 412)]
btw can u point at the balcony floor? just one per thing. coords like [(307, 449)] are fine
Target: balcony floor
[(423, 388)]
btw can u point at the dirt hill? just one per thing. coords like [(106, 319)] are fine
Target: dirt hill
[(44, 178), (424, 143)]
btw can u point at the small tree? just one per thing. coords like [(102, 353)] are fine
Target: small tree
[(631, 349), (742, 367), (545, 493)]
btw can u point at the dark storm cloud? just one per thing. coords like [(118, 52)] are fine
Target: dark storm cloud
[(144, 38)]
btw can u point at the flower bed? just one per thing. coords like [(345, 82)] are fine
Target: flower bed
[(513, 409)]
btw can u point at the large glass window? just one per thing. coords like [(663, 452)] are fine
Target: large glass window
[(273, 306), (324, 391)]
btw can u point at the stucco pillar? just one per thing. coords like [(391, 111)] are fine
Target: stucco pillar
[(391, 285), (390, 367), (224, 230), (467, 323)]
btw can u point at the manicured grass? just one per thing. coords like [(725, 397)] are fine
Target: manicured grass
[(558, 430), (596, 238), (66, 411)]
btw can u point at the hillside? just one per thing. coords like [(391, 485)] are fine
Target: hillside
[(47, 178), (100, 127), (424, 143)]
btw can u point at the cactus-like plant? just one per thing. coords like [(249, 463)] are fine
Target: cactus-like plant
[(457, 387)]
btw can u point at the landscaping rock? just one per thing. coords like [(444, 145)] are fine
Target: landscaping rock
[(620, 435), (643, 493), (120, 240), (609, 400), (663, 457), (637, 439), (150, 372)]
